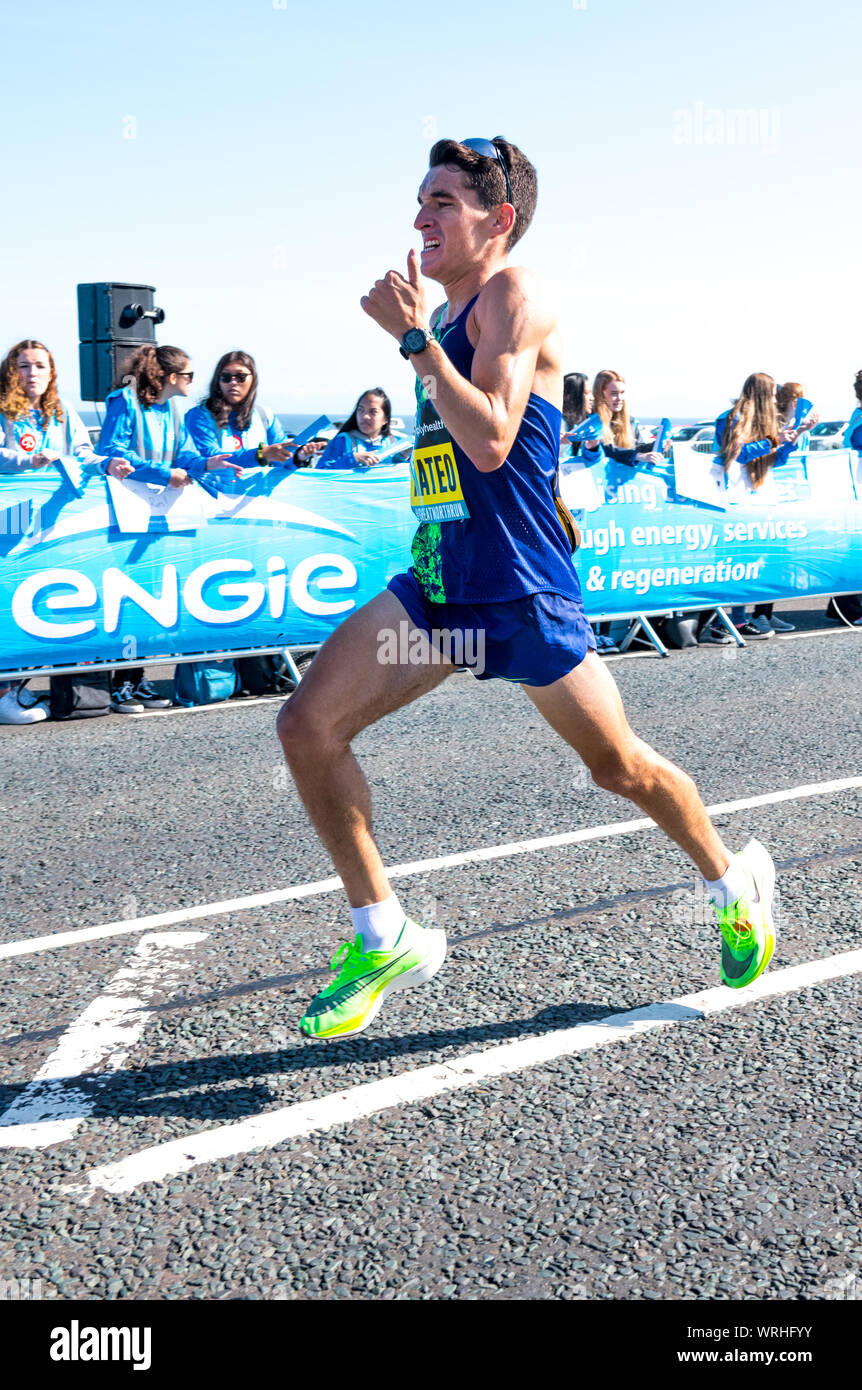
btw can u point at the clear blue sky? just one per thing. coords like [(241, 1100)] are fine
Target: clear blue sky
[(277, 152)]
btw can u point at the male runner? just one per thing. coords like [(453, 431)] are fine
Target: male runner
[(491, 559)]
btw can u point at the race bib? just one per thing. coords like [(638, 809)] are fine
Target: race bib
[(435, 486)]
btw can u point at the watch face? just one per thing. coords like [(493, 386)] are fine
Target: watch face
[(414, 340)]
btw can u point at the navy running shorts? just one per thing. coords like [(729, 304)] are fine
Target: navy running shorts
[(532, 640)]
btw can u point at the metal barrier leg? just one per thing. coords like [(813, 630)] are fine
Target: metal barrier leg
[(731, 627), (846, 621), (630, 635), (291, 666), (653, 635)]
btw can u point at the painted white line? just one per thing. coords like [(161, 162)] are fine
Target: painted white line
[(206, 709), (819, 632), (51, 1107), (308, 1117), (417, 866)]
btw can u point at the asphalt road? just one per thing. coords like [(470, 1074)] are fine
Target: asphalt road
[(717, 1158)]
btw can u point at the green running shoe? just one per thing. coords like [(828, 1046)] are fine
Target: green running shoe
[(352, 1000), (747, 928)]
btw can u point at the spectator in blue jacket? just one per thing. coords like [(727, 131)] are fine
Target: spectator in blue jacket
[(579, 421), (622, 439), (750, 435), (364, 435), (145, 434), (36, 425), (231, 422), (144, 430)]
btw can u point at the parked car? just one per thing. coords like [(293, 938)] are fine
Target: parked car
[(829, 434), (690, 433)]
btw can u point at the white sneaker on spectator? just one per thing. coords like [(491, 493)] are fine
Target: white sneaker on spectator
[(779, 625), (123, 700), (20, 706)]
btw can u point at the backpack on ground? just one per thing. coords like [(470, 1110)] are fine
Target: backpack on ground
[(204, 682)]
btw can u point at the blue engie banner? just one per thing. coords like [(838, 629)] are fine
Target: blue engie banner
[(111, 573), (682, 535), (278, 560)]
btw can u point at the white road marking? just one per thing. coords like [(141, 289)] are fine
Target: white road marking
[(418, 866), (296, 1121), (51, 1107)]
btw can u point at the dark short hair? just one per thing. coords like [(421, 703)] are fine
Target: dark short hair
[(574, 395), (486, 178)]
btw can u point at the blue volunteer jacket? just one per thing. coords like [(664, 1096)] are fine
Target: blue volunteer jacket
[(152, 438), (242, 445), (340, 451), (756, 449)]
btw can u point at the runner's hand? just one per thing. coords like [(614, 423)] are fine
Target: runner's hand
[(398, 304), (119, 468), (179, 478)]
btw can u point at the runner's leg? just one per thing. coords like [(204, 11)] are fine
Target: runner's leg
[(585, 708), (347, 688)]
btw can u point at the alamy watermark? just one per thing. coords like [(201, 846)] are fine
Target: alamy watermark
[(20, 1290), (732, 125), (406, 646)]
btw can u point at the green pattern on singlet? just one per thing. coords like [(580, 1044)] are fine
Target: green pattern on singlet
[(427, 563), (427, 560)]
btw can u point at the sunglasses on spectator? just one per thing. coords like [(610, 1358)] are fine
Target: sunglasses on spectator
[(190, 375), (490, 151), (227, 377)]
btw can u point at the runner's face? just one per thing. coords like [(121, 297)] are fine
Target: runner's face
[(34, 369), (615, 394), (234, 390), (455, 229), (370, 416)]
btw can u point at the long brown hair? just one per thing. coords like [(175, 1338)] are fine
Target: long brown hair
[(147, 369), (616, 425), (15, 404), (215, 401), (752, 416)]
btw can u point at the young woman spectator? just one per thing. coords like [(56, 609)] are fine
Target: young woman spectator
[(364, 435), (145, 434), (36, 424), (752, 436), (622, 438), (36, 427), (230, 421), (786, 398)]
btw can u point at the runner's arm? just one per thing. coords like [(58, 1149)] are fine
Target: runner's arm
[(484, 414)]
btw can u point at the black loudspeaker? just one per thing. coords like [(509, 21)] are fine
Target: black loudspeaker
[(102, 366), (113, 319)]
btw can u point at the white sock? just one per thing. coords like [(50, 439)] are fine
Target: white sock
[(734, 883), (379, 925)]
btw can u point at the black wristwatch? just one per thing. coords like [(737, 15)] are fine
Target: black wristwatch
[(414, 340)]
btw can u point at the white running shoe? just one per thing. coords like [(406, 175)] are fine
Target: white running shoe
[(20, 706)]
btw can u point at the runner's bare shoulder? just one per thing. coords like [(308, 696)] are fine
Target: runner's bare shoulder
[(515, 293)]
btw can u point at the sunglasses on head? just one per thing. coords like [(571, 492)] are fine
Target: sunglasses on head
[(490, 151), (226, 377)]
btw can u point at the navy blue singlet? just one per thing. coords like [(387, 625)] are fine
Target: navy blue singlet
[(504, 539)]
